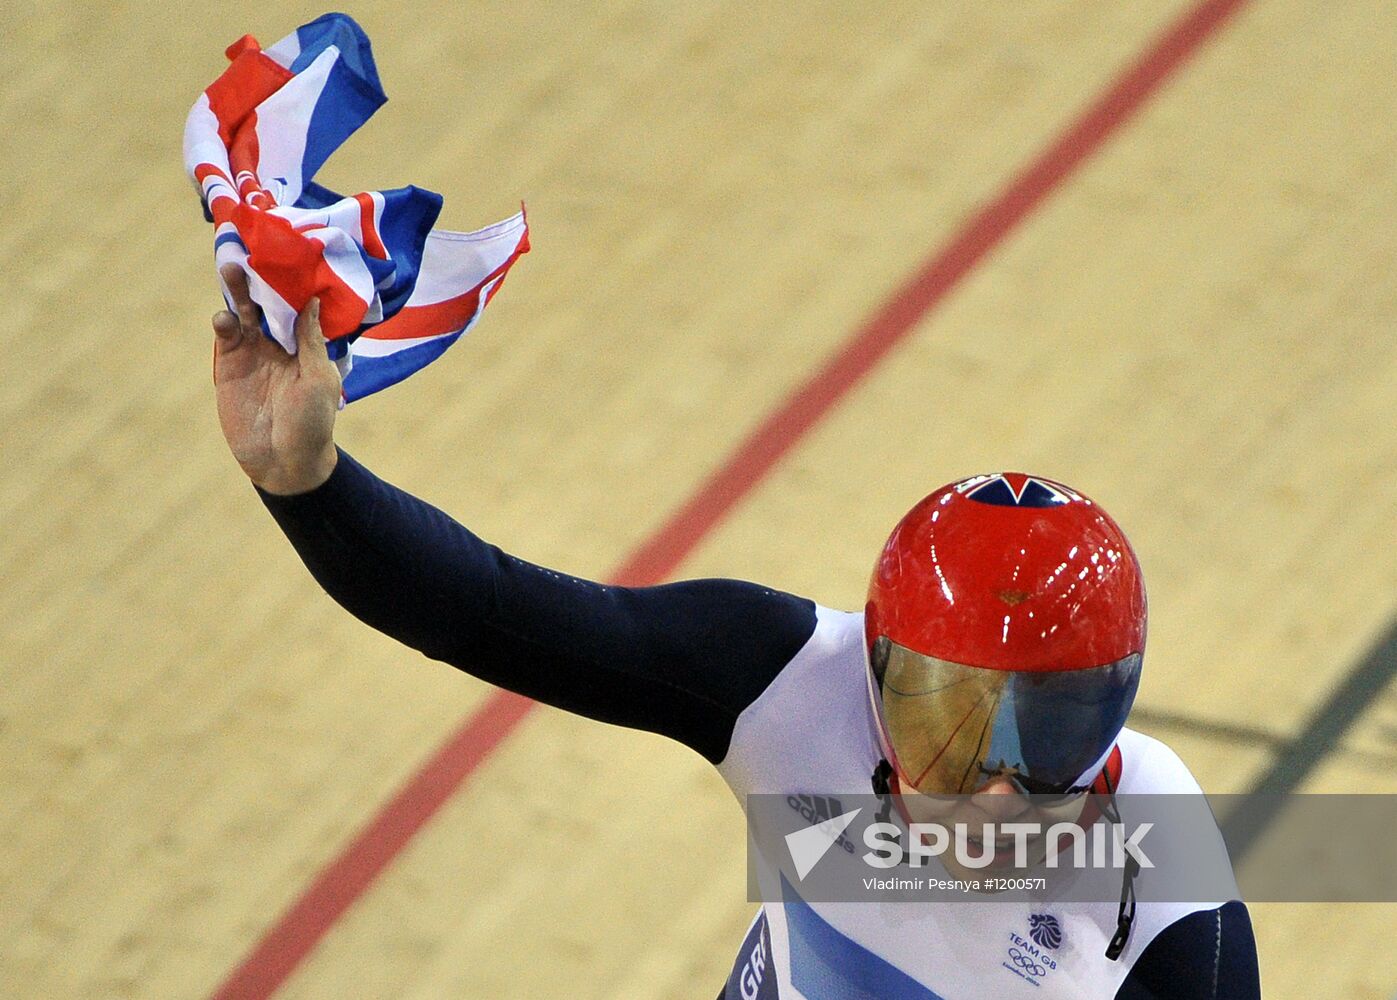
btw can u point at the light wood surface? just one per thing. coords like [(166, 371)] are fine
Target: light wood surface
[(1197, 330)]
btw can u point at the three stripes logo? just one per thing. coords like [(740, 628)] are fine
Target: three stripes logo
[(828, 822)]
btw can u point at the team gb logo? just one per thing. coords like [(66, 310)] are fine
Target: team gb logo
[(1045, 930)]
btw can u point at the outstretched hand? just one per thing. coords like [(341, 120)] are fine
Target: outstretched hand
[(277, 410)]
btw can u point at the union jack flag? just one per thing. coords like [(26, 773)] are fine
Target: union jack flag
[(394, 292)]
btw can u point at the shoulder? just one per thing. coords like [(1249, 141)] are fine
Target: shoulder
[(835, 645), (813, 721), (1156, 783), (1205, 955), (1149, 765)]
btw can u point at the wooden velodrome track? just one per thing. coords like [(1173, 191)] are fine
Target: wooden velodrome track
[(1193, 324)]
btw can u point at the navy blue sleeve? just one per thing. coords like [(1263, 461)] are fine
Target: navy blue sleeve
[(682, 659), (1207, 955)]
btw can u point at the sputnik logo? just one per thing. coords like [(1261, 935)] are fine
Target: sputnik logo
[(809, 845)]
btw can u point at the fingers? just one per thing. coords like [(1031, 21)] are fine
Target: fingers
[(227, 337), (236, 282), (244, 325), (248, 313), (310, 342), (226, 328)]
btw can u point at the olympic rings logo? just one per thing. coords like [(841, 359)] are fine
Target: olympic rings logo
[(1026, 963)]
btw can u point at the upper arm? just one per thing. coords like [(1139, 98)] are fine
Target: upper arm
[(1207, 955), (682, 659)]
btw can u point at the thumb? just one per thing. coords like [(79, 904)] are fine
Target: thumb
[(310, 342)]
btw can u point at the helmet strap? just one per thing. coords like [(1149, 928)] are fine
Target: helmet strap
[(1125, 913), (882, 790)]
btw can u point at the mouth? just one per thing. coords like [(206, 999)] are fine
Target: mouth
[(1000, 851)]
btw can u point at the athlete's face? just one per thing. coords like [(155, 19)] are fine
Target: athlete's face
[(953, 728), (998, 801)]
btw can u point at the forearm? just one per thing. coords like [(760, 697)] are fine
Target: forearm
[(682, 660)]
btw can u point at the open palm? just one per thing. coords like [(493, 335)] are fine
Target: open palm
[(277, 410)]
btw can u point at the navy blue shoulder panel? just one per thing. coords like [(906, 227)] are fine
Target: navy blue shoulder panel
[(1207, 955), (682, 659)]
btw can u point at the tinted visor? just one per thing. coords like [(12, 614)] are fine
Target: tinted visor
[(951, 727)]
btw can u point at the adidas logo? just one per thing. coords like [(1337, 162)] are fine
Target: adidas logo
[(827, 820)]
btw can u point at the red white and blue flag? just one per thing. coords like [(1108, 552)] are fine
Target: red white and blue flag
[(394, 292)]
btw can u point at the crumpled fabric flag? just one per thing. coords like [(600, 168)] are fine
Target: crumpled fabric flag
[(394, 292)]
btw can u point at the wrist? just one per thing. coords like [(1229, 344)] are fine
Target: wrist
[(302, 478)]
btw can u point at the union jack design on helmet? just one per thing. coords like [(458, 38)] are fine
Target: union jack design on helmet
[(1013, 489)]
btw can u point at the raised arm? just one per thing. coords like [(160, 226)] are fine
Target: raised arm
[(682, 660)]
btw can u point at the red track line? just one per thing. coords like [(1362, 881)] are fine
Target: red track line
[(286, 944), (746, 467), (347, 877)]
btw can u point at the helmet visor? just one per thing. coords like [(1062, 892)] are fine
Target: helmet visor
[(952, 727)]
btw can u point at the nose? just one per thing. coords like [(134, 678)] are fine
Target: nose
[(1000, 800)]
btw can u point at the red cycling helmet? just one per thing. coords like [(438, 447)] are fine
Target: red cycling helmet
[(1005, 628)]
